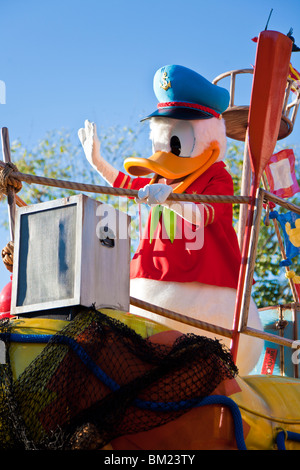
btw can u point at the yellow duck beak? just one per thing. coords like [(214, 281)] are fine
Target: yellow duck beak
[(170, 166)]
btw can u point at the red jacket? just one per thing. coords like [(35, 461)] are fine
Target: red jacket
[(217, 262)]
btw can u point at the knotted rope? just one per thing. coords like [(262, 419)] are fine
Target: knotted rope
[(9, 181), (8, 256)]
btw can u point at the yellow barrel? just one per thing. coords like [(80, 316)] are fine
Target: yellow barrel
[(268, 404), (22, 353)]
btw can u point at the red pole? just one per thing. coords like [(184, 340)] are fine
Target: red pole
[(245, 250), (269, 83)]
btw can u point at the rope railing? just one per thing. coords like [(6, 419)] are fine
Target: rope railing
[(94, 188), (281, 202), (211, 327), (181, 318)]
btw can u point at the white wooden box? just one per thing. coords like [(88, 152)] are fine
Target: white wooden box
[(61, 257)]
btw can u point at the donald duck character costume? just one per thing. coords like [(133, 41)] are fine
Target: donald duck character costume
[(188, 259)]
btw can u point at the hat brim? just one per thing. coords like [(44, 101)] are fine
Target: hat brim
[(180, 113)]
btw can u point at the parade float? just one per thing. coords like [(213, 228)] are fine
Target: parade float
[(82, 369)]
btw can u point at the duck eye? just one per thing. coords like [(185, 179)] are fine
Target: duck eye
[(175, 145)]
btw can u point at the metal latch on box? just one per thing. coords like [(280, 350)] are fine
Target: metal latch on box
[(107, 237)]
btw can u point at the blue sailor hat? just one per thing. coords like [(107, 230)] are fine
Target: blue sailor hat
[(185, 94)]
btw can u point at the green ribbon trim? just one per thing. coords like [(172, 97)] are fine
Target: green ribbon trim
[(169, 220)]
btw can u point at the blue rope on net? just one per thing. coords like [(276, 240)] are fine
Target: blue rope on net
[(22, 338), (283, 436), (197, 402)]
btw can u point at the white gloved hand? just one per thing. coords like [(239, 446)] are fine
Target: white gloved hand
[(90, 143), (154, 194)]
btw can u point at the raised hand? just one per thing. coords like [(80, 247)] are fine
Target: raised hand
[(91, 146), (90, 143)]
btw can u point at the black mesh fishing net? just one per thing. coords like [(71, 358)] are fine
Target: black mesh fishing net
[(97, 379)]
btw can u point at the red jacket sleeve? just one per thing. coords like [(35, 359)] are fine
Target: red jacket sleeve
[(125, 181), (215, 181)]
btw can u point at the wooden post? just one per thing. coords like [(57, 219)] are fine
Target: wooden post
[(295, 323), (251, 260), (232, 89), (11, 194), (245, 191)]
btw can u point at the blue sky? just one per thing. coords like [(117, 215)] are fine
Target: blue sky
[(68, 60)]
